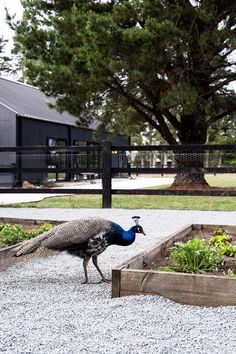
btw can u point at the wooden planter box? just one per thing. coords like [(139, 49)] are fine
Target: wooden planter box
[(135, 276), (6, 260)]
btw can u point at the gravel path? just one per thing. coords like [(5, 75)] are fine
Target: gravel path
[(44, 308)]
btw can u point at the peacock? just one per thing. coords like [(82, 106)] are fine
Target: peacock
[(85, 238)]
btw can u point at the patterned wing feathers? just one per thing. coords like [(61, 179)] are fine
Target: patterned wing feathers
[(31, 245), (65, 235), (77, 232)]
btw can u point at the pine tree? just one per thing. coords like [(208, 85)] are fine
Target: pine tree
[(167, 63), (4, 60)]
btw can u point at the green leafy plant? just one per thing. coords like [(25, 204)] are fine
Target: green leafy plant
[(230, 273), (11, 234), (227, 250), (221, 241), (195, 256)]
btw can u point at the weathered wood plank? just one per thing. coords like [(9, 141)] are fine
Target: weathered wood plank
[(115, 288), (29, 221), (202, 290), (131, 293)]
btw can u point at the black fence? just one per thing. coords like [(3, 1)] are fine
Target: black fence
[(41, 165)]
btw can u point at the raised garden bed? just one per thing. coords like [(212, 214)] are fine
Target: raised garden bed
[(137, 277), (5, 260)]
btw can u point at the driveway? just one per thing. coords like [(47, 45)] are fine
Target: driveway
[(117, 183)]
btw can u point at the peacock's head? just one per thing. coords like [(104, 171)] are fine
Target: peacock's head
[(138, 228)]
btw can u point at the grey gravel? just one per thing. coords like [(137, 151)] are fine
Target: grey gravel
[(44, 308)]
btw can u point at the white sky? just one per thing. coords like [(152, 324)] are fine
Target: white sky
[(14, 7)]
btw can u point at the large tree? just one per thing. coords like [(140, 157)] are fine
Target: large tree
[(167, 63)]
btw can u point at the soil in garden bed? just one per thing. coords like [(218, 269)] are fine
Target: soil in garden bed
[(228, 262)]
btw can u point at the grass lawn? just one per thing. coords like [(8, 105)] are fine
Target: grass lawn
[(148, 202), (137, 202), (222, 180)]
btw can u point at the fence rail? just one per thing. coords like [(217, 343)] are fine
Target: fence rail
[(37, 164), (181, 148)]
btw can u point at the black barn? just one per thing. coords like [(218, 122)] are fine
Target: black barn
[(26, 120)]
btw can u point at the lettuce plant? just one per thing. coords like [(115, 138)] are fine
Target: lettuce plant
[(195, 256), (221, 242), (11, 234)]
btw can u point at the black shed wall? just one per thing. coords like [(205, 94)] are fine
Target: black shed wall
[(36, 132)]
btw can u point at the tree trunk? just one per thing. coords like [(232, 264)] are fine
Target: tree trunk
[(194, 180), (189, 160), (193, 131)]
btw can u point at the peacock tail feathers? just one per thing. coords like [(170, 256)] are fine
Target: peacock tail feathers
[(65, 235)]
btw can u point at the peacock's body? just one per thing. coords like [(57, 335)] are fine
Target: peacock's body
[(84, 238)]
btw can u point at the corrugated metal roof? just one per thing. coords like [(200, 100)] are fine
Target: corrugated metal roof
[(30, 102)]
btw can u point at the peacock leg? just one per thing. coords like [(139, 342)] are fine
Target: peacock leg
[(85, 263), (95, 262)]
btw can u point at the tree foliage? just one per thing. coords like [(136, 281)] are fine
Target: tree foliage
[(224, 131), (4, 59), (166, 63), (131, 62)]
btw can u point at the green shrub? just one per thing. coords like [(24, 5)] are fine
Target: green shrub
[(195, 256), (10, 234)]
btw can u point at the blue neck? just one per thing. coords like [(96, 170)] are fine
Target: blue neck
[(122, 237)]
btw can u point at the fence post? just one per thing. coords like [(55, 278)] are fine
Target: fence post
[(106, 174)]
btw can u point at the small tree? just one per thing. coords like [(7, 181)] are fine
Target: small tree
[(162, 62)]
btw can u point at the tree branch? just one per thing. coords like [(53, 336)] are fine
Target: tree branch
[(230, 75), (219, 116), (121, 89), (142, 109), (172, 119), (217, 87)]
